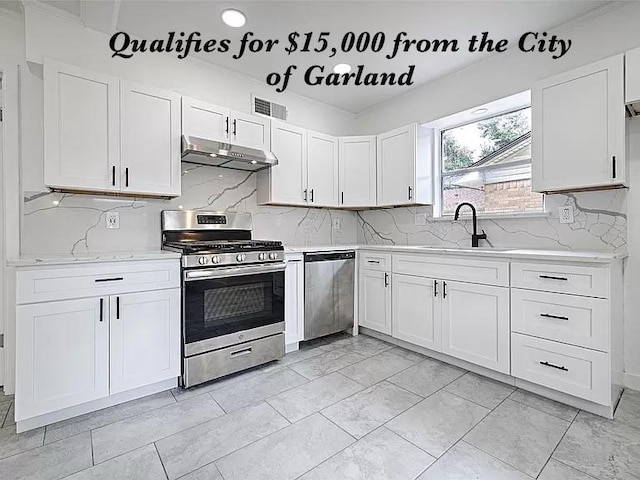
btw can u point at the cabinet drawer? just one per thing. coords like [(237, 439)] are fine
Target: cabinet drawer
[(460, 269), (573, 370), (43, 284), (375, 261), (565, 318), (577, 280)]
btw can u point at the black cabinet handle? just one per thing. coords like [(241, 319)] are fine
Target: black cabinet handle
[(226, 121), (444, 289), (551, 277), (304, 194), (312, 195), (373, 261), (614, 167), (435, 288), (118, 308), (410, 192), (386, 279), (126, 177), (342, 197), (547, 364), (557, 317), (113, 175), (112, 279), (234, 127), (101, 307)]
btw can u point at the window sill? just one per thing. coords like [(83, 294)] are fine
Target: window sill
[(493, 216)]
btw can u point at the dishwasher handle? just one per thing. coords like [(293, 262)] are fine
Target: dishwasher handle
[(329, 256)]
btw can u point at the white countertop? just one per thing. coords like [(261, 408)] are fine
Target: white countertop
[(504, 253), (35, 260)]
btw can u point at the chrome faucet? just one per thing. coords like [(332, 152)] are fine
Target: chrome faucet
[(474, 237)]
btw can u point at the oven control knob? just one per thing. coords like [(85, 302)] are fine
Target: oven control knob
[(273, 255), (202, 260), (262, 256), (240, 257), (215, 259)]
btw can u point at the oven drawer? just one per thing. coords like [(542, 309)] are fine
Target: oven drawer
[(559, 278), (577, 371), (225, 361), (565, 318), (377, 261), (43, 284)]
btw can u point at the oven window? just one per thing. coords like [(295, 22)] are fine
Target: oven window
[(216, 307)]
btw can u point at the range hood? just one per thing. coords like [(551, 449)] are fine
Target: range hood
[(219, 154)]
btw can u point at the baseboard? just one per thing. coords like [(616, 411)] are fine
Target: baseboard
[(632, 381)]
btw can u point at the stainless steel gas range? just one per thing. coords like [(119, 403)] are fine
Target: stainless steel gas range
[(232, 293)]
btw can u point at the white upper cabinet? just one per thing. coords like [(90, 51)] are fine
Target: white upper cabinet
[(106, 135), (205, 120), (578, 129), (322, 170), (150, 133), (213, 122), (285, 183), (81, 129), (632, 72), (357, 171), (405, 165), (250, 131)]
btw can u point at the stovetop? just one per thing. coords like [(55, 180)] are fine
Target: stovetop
[(191, 247)]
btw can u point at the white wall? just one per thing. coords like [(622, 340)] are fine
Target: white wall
[(611, 30)]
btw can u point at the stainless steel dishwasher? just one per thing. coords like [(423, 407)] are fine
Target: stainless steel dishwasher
[(328, 293)]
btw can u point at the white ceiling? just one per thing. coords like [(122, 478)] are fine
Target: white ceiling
[(276, 19)]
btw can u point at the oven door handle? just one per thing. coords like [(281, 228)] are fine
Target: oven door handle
[(192, 275)]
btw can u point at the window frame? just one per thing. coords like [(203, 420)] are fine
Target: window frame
[(438, 174)]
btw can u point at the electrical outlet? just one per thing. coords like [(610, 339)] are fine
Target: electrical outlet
[(113, 220), (420, 219), (565, 214), (337, 223)]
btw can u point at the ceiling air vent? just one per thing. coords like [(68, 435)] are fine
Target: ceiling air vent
[(269, 109)]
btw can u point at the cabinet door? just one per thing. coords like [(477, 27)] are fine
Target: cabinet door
[(81, 129), (632, 76), (250, 131), (375, 301), (322, 169), (294, 302), (205, 120), (396, 155), (145, 338), (150, 132), (357, 160), (578, 128), (416, 311), (475, 324), (289, 177), (62, 355)]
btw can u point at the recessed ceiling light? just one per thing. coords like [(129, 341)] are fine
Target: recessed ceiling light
[(479, 111), (342, 68), (233, 18)]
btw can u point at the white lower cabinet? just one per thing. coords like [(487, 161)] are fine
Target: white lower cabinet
[(416, 311), (74, 351), (375, 301), (144, 338), (62, 355), (475, 324), (294, 301)]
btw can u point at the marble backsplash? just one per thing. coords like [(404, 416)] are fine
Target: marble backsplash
[(600, 225), (75, 224)]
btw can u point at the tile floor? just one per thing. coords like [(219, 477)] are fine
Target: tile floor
[(340, 408)]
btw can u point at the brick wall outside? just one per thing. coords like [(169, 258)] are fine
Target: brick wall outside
[(514, 196)]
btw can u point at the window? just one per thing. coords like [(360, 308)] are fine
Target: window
[(488, 163)]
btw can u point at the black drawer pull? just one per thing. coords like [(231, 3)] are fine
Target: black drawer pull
[(547, 364), (373, 261), (551, 277), (113, 279), (557, 317)]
